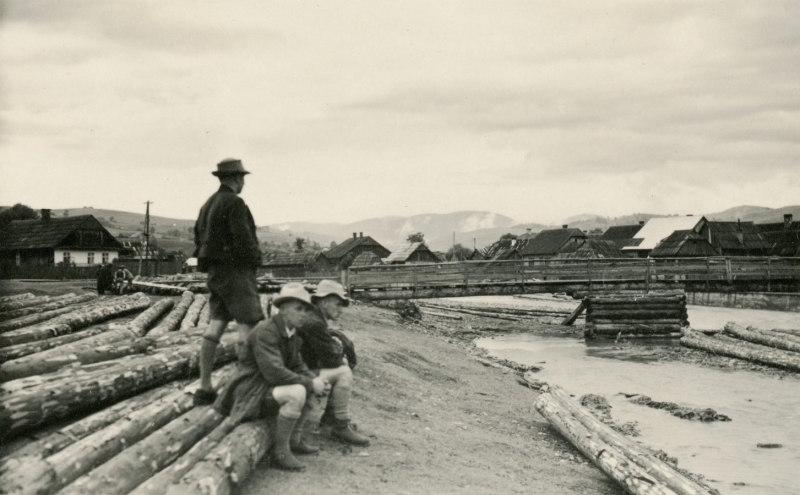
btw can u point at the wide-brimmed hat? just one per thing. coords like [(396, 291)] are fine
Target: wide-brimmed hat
[(230, 166), (292, 290), (330, 288)]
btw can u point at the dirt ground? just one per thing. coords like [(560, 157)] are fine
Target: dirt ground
[(440, 422)]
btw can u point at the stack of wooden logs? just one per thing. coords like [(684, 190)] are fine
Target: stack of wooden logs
[(624, 461), (139, 430), (774, 348), (647, 314), (498, 312)]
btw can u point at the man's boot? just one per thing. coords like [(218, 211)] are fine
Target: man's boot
[(282, 457), (296, 442), (328, 418), (342, 431)]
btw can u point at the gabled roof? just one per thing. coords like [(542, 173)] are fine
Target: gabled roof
[(658, 229), (592, 248), (778, 227), (42, 234), (737, 236), (345, 247), (684, 243), (783, 243), (302, 258), (403, 253), (620, 232), (366, 258), (549, 242)]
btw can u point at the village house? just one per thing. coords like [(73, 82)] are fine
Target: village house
[(735, 238), (621, 235), (341, 256), (549, 243), (783, 239), (297, 264), (413, 252), (656, 230), (73, 241)]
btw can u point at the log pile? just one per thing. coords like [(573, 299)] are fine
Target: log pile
[(495, 312), (173, 320), (765, 347), (36, 314), (137, 429), (624, 461), (648, 314), (51, 304)]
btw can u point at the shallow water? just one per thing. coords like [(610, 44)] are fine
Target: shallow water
[(763, 409)]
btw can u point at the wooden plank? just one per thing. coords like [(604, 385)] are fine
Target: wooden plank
[(575, 314)]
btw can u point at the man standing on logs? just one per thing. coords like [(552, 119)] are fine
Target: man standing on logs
[(226, 248), (273, 378), (331, 356)]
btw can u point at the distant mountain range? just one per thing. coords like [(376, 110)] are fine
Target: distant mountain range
[(480, 227)]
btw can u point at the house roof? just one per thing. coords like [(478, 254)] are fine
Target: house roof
[(620, 232), (403, 253), (592, 248), (658, 229), (783, 243), (684, 243), (778, 227), (42, 234), (549, 242), (366, 258), (737, 236), (302, 258), (345, 247)]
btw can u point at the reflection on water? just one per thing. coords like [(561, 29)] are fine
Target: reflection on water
[(763, 409)]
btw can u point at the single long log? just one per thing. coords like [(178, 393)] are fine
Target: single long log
[(30, 402), (603, 329), (54, 303), (39, 365), (744, 350), (440, 315), (478, 313), (36, 450), (70, 322), (633, 315), (631, 300), (17, 297), (495, 309), (133, 466), (173, 320), (160, 482), (193, 313), (62, 468), (664, 472), (153, 288), (569, 320), (20, 350), (205, 315), (638, 306), (144, 321), (24, 303), (32, 319), (229, 463), (611, 461), (663, 321), (792, 336)]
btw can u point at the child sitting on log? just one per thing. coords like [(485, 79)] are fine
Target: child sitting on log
[(331, 356), (272, 378)]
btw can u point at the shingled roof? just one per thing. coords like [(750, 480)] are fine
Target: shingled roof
[(737, 236), (44, 234), (549, 242), (684, 243), (345, 247), (367, 258), (592, 248), (621, 235), (302, 258)]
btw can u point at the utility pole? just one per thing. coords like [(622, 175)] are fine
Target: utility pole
[(146, 239), (454, 246)]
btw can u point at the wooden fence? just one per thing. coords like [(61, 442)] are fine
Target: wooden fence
[(150, 268), (588, 272)]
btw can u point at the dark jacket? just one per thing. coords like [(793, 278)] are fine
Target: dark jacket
[(319, 350), (225, 232), (268, 358)]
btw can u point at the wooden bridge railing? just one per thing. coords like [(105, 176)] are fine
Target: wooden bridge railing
[(588, 271)]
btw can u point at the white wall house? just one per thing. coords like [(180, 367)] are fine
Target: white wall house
[(84, 258)]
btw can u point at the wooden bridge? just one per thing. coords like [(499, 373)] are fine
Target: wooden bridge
[(480, 278)]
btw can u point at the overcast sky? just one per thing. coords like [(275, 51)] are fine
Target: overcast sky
[(351, 110)]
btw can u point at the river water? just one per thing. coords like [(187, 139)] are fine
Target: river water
[(763, 409)]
